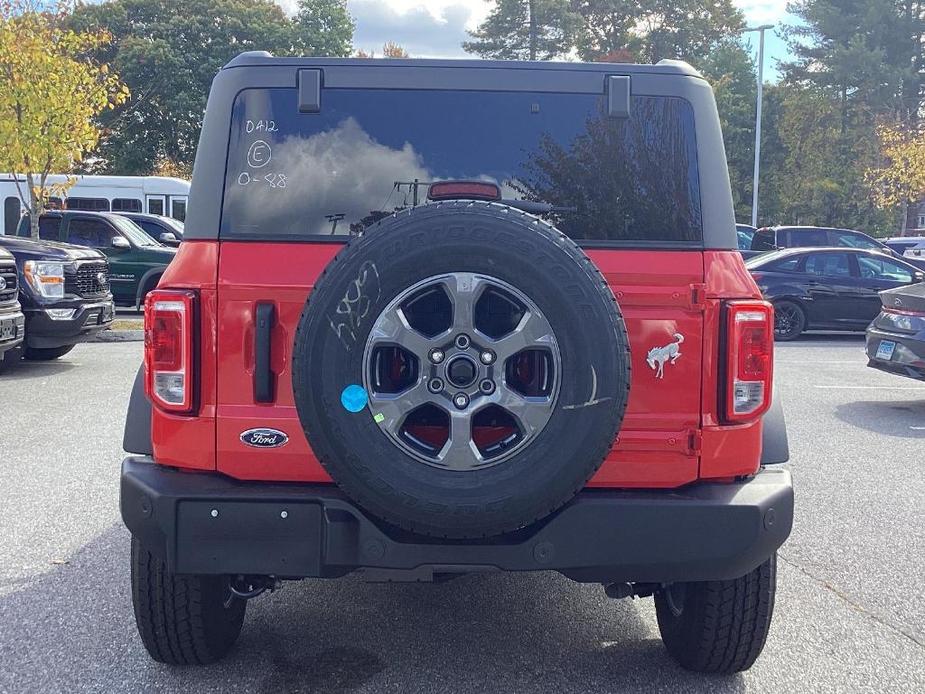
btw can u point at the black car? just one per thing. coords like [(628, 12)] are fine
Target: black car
[(896, 338), (12, 321), (774, 238), (166, 230), (827, 288), (64, 292)]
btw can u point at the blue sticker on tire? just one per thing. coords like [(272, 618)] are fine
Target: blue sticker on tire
[(354, 398)]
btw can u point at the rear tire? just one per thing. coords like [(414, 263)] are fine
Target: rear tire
[(46, 353), (149, 285), (718, 627), (789, 320), (182, 620)]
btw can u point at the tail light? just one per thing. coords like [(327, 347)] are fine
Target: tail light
[(169, 363), (464, 190), (749, 360)]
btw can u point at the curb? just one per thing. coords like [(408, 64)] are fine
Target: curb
[(118, 336)]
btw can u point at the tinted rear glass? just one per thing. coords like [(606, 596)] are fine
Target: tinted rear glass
[(370, 153)]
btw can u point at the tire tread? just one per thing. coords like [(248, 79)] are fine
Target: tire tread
[(724, 624)]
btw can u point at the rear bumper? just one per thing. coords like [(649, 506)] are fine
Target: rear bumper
[(908, 358), (205, 523), (44, 331)]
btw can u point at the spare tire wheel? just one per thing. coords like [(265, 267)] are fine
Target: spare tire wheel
[(461, 370)]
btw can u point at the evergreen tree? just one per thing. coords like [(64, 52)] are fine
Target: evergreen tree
[(525, 30), (654, 29), (866, 53)]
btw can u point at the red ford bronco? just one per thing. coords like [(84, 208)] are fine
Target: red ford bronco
[(432, 318)]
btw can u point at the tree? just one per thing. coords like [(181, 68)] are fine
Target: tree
[(900, 178), (731, 71), (324, 27), (391, 49), (51, 95), (609, 181), (168, 53), (654, 29), (525, 30), (859, 63), (866, 53)]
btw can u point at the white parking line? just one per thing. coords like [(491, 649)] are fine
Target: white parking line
[(871, 387)]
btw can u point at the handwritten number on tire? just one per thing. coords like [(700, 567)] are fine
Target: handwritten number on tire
[(353, 309)]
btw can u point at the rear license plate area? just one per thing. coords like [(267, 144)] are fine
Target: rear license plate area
[(278, 538), (885, 350)]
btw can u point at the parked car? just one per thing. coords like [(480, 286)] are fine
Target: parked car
[(12, 321), (64, 292), (773, 238), (827, 288), (744, 234), (915, 254), (896, 338), (449, 400), (165, 230), (136, 260), (900, 244)]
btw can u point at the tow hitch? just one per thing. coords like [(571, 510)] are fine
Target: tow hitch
[(250, 587)]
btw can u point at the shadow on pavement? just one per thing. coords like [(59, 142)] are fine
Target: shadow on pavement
[(73, 630), (24, 370), (904, 419)]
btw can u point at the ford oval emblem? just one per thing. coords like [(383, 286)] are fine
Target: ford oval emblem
[(264, 438)]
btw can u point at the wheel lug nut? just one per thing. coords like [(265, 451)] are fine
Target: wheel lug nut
[(487, 387), (461, 400), (487, 357), (436, 356), (463, 341), (435, 385)]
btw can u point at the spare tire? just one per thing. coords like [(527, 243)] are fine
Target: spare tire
[(461, 370)]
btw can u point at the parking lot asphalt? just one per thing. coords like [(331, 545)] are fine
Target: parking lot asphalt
[(850, 613)]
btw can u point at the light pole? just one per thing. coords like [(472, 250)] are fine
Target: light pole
[(761, 29)]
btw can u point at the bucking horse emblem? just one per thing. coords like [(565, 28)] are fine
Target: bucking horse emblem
[(659, 356)]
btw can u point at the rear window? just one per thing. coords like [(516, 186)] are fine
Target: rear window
[(49, 227), (370, 153), (763, 240)]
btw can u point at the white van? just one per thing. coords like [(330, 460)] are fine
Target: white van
[(153, 194)]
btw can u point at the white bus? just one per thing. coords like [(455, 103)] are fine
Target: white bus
[(153, 194)]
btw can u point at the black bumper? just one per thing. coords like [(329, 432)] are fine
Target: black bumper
[(89, 318), (206, 523), (908, 358), (12, 328)]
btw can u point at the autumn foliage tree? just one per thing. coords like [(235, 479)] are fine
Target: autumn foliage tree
[(900, 179), (51, 95)]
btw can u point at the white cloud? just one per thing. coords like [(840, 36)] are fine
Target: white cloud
[(339, 171), (432, 30), (762, 11)]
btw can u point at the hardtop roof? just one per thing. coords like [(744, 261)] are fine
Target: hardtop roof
[(265, 59)]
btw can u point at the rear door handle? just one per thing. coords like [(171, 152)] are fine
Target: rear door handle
[(264, 317)]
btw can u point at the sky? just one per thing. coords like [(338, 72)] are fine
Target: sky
[(436, 28)]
